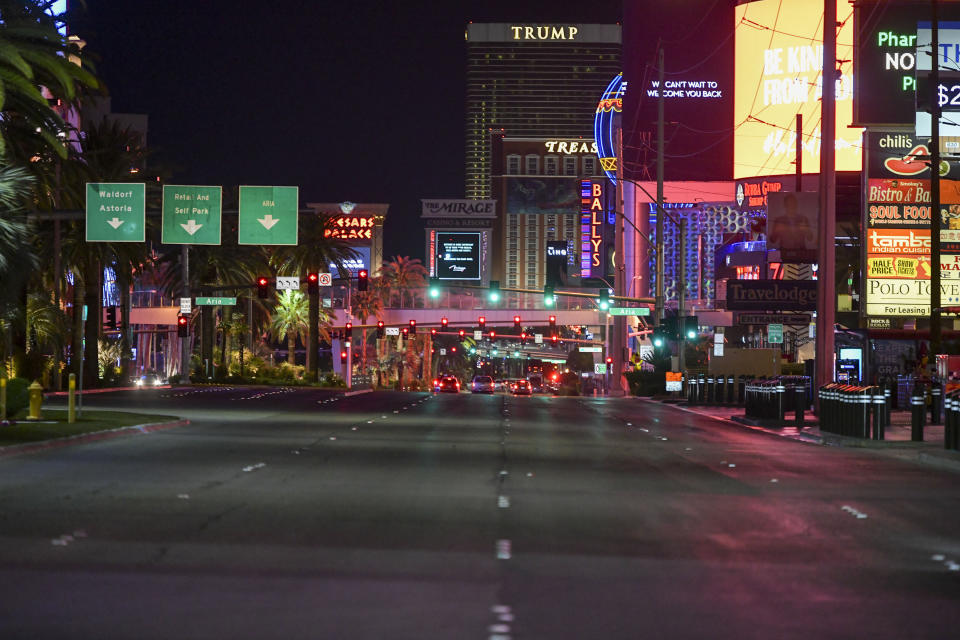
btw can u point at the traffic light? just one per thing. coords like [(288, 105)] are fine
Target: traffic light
[(112, 317), (381, 330), (548, 295), (659, 338), (609, 364), (690, 328), (493, 334), (413, 327), (493, 293), (363, 281), (553, 323), (405, 331), (343, 357), (554, 339), (313, 283), (444, 322), (516, 322), (348, 329), (670, 328), (482, 321), (433, 331), (604, 299), (434, 288), (523, 338), (183, 325), (461, 333), (263, 287)]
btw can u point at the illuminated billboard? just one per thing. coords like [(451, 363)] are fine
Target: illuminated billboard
[(542, 194), (779, 58), (457, 256)]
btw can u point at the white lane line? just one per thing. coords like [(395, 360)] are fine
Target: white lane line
[(939, 557), (859, 515), (183, 496), (254, 467), (499, 628), (504, 551), (503, 502)]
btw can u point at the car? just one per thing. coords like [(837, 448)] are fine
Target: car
[(521, 387), (499, 385), (448, 384), (149, 379), (482, 384), (537, 383)]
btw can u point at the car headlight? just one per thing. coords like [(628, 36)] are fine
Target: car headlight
[(139, 382), (157, 382)]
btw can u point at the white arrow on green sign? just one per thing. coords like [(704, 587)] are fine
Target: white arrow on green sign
[(191, 214), (268, 215), (216, 302), (775, 333), (116, 212)]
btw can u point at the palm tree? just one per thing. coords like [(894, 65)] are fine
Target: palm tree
[(315, 252), (34, 54), (17, 260), (290, 319), (365, 304), (403, 275)]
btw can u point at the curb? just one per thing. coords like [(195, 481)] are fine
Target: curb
[(50, 394), (348, 394), (93, 436)]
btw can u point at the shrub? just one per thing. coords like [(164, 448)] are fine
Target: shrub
[(646, 383), (18, 397), (333, 380)]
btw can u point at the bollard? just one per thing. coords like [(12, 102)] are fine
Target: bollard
[(71, 399), (710, 383), (916, 417), (879, 414), (799, 403), (692, 390), (948, 421), (731, 381), (953, 441), (701, 388), (720, 390), (36, 400), (887, 405), (741, 390), (935, 403), (3, 398), (780, 404), (866, 403)]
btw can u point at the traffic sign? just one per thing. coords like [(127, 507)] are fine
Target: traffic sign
[(268, 215), (443, 351), (478, 335), (216, 302), (599, 367), (184, 305), (325, 279), (538, 338), (775, 333), (718, 349), (629, 311), (116, 212), (393, 331), (583, 349), (191, 214), (288, 283)]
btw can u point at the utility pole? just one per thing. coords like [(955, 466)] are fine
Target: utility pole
[(618, 339), (658, 304), (935, 330), (826, 288), (799, 155), (682, 291), (185, 342)]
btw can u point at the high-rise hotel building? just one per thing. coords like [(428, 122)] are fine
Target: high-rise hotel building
[(533, 81)]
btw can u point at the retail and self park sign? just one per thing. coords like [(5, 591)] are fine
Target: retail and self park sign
[(191, 214), (115, 212)]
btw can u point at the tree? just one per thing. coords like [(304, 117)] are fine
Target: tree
[(315, 252), (290, 318), (365, 304), (17, 260), (402, 275)]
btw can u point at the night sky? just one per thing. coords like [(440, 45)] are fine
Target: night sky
[(347, 100)]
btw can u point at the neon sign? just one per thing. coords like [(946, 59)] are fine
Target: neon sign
[(350, 228), (609, 107), (591, 227)]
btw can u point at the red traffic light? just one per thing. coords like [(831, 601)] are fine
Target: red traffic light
[(461, 333), (313, 277), (379, 324), (362, 280), (433, 331), (493, 334), (553, 321), (482, 321), (609, 360), (343, 356), (406, 331), (348, 326), (444, 322), (516, 321), (553, 339), (262, 281), (362, 273), (182, 320)]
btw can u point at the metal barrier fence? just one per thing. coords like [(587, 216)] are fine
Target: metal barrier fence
[(775, 398), (856, 411)]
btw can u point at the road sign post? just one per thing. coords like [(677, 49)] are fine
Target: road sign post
[(116, 212), (268, 215), (191, 214)]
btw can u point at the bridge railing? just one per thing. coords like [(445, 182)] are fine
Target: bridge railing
[(467, 299)]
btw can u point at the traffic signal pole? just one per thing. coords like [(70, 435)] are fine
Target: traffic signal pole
[(658, 311), (616, 386), (935, 215), (185, 342)]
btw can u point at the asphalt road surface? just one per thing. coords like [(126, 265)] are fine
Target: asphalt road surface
[(305, 514)]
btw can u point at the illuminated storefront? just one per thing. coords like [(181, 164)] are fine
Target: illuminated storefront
[(360, 226)]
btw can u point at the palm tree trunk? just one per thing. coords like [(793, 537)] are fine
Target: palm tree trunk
[(313, 339), (126, 333), (292, 347), (363, 352), (76, 337), (93, 295)]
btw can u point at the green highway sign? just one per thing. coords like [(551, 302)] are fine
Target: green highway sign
[(191, 214), (582, 349), (268, 215), (629, 311), (775, 333), (224, 302), (116, 211)]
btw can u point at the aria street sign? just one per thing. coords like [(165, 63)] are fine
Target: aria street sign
[(268, 215), (191, 214), (288, 283), (116, 212), (216, 302), (629, 311), (589, 349)]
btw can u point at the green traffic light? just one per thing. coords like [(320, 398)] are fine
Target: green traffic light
[(434, 292), (494, 296), (691, 335), (548, 301)]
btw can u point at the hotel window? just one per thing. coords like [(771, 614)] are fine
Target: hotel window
[(589, 166), (550, 165), (533, 165), (569, 165), (513, 164)]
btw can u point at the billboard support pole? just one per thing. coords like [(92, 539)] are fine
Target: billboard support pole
[(617, 388), (826, 288), (935, 329), (799, 153)]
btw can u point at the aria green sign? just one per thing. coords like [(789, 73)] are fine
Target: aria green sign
[(116, 211), (268, 215), (216, 302), (629, 311), (191, 215)]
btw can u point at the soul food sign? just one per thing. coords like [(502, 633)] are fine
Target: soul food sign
[(350, 228)]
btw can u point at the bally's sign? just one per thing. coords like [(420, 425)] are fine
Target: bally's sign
[(459, 208), (772, 295)]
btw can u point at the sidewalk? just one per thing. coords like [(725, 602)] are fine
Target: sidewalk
[(897, 443)]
